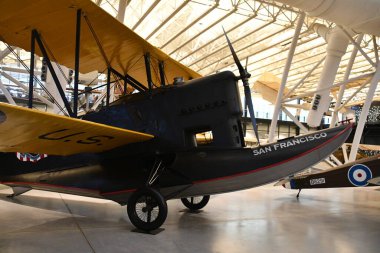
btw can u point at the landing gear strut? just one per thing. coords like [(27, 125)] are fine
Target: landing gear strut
[(298, 194), (147, 209), (196, 203)]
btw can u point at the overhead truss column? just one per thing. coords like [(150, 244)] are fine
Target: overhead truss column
[(346, 76), (285, 77), (121, 10), (363, 115), (7, 95)]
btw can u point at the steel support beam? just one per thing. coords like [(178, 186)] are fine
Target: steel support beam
[(352, 95), (295, 120), (330, 163), (18, 70), (237, 40), (279, 61), (364, 114), (336, 160), (344, 151), (259, 62), (162, 24), (281, 89), (357, 46), (26, 88), (346, 76), (214, 39), (121, 10), (375, 49), (300, 83), (333, 86), (154, 4), (317, 72), (7, 95), (5, 52), (191, 24), (217, 22), (259, 51), (101, 97)]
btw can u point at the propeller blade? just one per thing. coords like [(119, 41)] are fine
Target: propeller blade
[(245, 114), (248, 98), (244, 75)]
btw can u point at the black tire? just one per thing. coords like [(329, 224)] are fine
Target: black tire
[(196, 203), (147, 209)]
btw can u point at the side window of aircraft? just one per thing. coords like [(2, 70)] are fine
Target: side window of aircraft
[(199, 137)]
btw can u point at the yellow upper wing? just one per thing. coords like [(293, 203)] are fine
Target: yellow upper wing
[(32, 131), (55, 21)]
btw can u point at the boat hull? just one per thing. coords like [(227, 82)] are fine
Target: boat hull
[(201, 171), (264, 164)]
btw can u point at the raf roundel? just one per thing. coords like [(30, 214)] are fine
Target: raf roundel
[(359, 175)]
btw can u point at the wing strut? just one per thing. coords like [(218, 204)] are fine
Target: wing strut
[(148, 71), (134, 83), (77, 56), (31, 70), (161, 66), (51, 69), (35, 80)]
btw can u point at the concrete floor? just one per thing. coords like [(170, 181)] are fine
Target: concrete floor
[(264, 219)]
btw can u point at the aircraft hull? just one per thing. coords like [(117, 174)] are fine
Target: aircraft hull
[(201, 171), (246, 170)]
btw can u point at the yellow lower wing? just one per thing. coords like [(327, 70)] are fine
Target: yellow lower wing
[(32, 131)]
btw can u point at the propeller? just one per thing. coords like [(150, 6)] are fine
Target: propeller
[(244, 76)]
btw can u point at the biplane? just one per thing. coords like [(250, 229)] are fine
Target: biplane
[(140, 150), (361, 173)]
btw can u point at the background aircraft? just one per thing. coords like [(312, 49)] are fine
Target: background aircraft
[(361, 173)]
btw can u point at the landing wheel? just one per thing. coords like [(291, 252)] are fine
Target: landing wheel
[(147, 209), (196, 203)]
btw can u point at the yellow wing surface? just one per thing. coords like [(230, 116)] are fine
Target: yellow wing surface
[(32, 131), (56, 22)]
